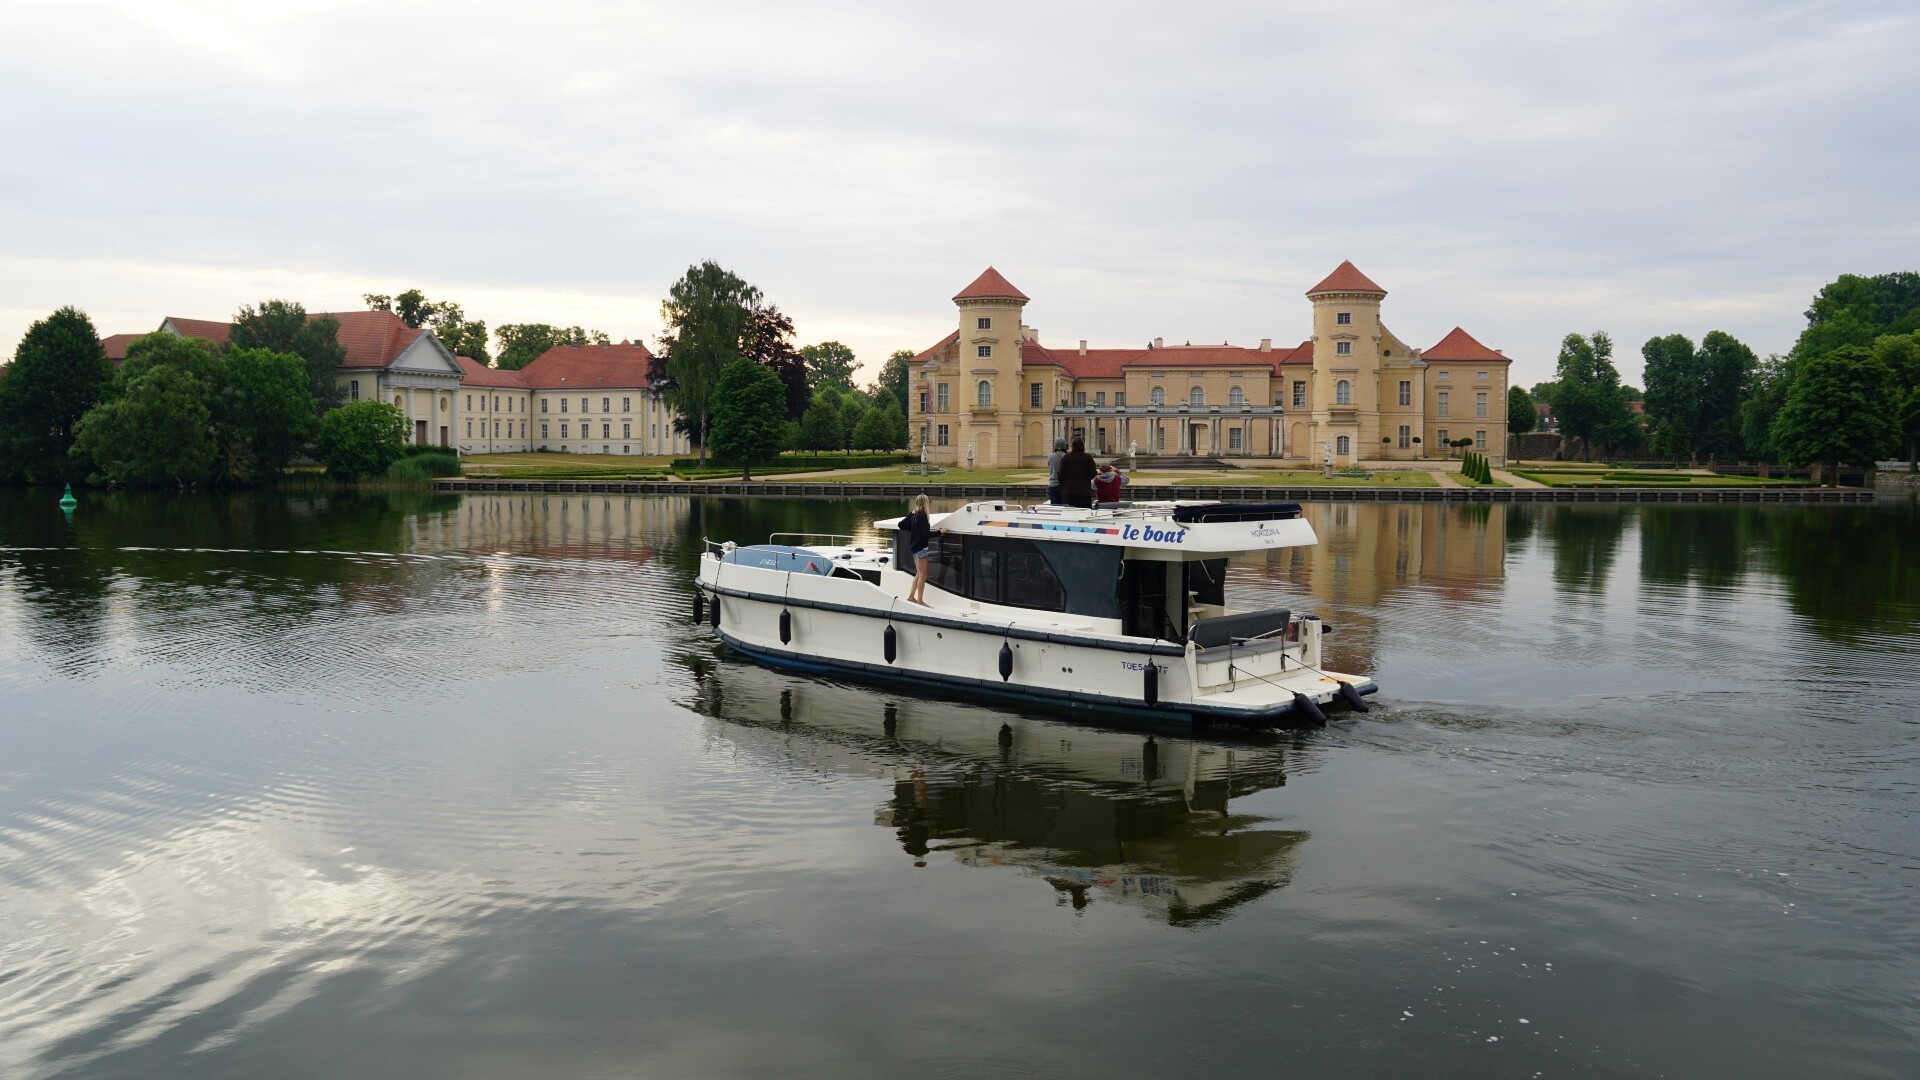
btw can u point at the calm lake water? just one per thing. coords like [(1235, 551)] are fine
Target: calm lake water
[(417, 786)]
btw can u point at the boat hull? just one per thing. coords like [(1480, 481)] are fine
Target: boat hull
[(1054, 669)]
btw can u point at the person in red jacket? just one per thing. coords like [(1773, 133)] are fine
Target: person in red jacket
[(1107, 483)]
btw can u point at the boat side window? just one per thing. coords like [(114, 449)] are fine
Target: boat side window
[(1089, 574), (983, 572), (1030, 582), (946, 563), (1207, 581)]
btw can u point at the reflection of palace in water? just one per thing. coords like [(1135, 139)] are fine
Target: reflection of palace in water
[(1097, 814), (561, 526), (1370, 551)]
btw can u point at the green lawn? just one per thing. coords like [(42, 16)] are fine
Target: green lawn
[(900, 474), (1308, 478)]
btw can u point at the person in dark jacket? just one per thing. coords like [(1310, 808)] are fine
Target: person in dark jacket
[(916, 532), (1053, 470), (1076, 475)]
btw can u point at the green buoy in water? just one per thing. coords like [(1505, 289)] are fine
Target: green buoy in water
[(67, 501)]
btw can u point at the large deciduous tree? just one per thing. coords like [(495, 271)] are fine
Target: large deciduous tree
[(284, 326), (1588, 399), (1901, 355), (1840, 409), (709, 312), (749, 414), (59, 371), (829, 364), (882, 427), (155, 431), (361, 439), (263, 412), (770, 341), (893, 379), (1694, 395), (820, 427), (1766, 395), (1521, 415), (522, 343)]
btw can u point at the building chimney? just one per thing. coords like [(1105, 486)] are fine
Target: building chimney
[(1083, 346), (1266, 344), (1030, 333), (1159, 343)]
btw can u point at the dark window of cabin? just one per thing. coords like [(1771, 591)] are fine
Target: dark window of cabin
[(1143, 600), (1207, 581), (946, 563), (983, 572), (1090, 574), (1030, 582)]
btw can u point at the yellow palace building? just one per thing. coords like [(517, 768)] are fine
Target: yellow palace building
[(991, 394)]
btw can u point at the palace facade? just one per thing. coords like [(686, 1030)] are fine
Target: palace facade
[(991, 394)]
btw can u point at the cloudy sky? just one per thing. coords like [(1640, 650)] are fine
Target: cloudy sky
[(1177, 170)]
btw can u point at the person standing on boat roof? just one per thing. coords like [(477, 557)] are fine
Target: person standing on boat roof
[(1053, 470), (916, 532), (1107, 484), (1076, 475)]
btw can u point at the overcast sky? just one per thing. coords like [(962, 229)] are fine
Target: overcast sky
[(1180, 170)]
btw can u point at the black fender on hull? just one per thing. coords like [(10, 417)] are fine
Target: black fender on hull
[(1307, 707)]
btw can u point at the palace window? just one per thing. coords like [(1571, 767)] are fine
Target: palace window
[(1440, 404), (1443, 436), (1299, 394), (1343, 393), (946, 402), (1119, 398), (353, 389), (1343, 318), (606, 431), (543, 429), (983, 323), (469, 402), (1343, 348), (983, 351), (563, 429), (1233, 438), (1343, 446), (1480, 404), (496, 403), (626, 430), (943, 435), (469, 429), (1161, 445), (563, 404), (1406, 391), (1033, 396), (626, 404), (1100, 398), (923, 401), (1406, 437), (1444, 376), (983, 393), (496, 429), (543, 404), (585, 406), (1479, 440), (1079, 398), (1158, 396), (1480, 375), (1236, 397), (1197, 397)]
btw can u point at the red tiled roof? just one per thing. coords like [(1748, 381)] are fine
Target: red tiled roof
[(1347, 278), (932, 352), (1459, 345), (372, 339), (1112, 363), (116, 345), (474, 373), (990, 286), (565, 367), (215, 332)]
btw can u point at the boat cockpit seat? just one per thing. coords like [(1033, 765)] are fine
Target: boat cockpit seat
[(795, 560), (1267, 625)]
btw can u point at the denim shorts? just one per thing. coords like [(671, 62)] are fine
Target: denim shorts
[(921, 554)]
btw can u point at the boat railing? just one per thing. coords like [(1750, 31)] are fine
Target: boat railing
[(803, 539)]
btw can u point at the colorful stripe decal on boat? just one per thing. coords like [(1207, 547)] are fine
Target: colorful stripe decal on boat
[(1095, 530)]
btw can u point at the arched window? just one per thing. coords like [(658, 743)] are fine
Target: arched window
[(1196, 397), (1342, 446), (1343, 393), (1236, 397), (1159, 396), (984, 392)]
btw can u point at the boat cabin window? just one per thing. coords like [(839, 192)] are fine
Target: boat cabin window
[(1037, 574)]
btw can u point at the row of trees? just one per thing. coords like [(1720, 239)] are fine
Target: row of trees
[(1848, 391), (519, 343)]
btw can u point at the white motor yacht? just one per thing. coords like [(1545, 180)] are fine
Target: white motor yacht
[(1118, 609)]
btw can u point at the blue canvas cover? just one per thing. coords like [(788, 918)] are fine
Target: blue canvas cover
[(793, 560)]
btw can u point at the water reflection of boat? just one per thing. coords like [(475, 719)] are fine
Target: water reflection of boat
[(1097, 813)]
